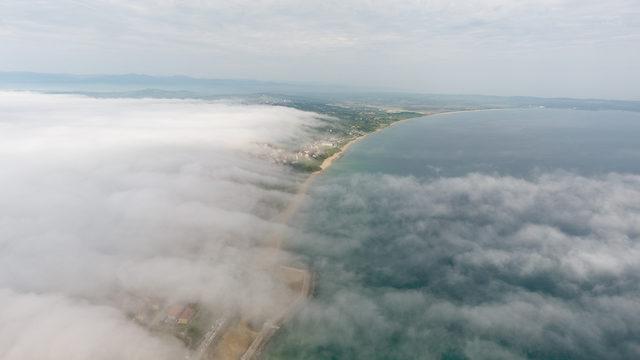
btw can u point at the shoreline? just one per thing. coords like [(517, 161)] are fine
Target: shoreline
[(276, 239), (326, 163)]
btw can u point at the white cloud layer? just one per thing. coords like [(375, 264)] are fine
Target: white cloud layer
[(475, 267), (109, 199)]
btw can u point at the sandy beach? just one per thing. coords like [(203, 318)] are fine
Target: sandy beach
[(276, 241), (329, 161)]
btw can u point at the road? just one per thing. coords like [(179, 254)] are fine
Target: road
[(216, 330), (272, 325)]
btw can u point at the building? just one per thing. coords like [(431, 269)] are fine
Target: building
[(173, 312), (186, 315)]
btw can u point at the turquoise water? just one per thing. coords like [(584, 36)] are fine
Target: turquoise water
[(484, 235)]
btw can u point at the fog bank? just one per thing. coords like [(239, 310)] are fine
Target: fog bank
[(473, 267), (106, 202)]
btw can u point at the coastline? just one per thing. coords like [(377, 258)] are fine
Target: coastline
[(276, 240), (326, 163)]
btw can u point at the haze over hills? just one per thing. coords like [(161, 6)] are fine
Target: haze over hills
[(140, 86), (125, 82)]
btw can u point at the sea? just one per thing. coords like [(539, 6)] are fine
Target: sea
[(497, 234)]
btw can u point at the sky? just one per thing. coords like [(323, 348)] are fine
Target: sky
[(572, 48)]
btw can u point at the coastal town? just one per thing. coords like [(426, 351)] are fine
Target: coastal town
[(343, 124), (226, 333), (222, 333)]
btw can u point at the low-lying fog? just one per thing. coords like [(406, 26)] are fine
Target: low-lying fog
[(471, 267), (104, 201), (107, 201)]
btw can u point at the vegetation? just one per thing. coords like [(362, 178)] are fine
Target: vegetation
[(352, 122), (359, 118), (306, 165)]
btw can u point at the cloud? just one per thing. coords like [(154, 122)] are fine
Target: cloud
[(56, 327), (298, 27), (478, 267), (106, 202)]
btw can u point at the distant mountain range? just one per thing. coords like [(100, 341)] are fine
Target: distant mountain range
[(137, 85), (132, 82)]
